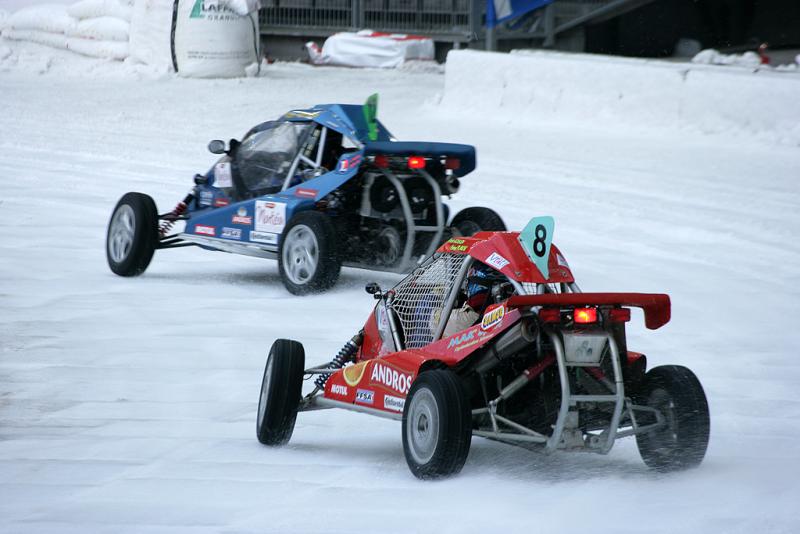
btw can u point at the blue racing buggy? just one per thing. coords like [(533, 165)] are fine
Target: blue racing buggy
[(316, 189)]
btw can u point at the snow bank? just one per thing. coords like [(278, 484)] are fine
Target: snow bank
[(547, 85)]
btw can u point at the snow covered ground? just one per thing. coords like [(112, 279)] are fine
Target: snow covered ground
[(128, 405)]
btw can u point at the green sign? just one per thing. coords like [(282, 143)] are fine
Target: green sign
[(371, 116), (536, 238)]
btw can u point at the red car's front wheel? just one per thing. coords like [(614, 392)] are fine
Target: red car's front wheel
[(437, 425)]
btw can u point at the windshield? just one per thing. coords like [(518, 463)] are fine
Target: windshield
[(265, 157)]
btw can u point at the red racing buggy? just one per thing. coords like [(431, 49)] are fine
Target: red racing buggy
[(492, 337)]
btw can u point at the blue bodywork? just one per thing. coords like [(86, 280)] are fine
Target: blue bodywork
[(260, 220)]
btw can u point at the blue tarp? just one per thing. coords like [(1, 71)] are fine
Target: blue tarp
[(498, 11)]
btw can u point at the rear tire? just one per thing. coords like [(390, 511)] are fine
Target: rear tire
[(681, 444), (308, 258), (470, 221), (132, 234), (437, 425), (281, 389)]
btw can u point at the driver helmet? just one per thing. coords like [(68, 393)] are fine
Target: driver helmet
[(477, 293)]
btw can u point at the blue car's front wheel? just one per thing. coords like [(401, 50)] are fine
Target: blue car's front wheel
[(132, 234), (308, 258)]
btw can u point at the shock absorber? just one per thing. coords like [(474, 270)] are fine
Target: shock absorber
[(345, 354), (172, 217)]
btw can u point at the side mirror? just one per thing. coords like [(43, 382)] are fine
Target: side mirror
[(374, 289), (216, 146)]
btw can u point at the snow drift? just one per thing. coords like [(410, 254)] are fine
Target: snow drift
[(582, 87)]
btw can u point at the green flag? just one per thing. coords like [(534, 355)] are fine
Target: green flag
[(371, 116)]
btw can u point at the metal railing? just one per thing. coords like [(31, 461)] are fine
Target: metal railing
[(446, 20)]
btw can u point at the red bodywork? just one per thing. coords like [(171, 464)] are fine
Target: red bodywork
[(382, 378)]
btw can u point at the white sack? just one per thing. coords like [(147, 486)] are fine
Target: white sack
[(150, 30), (56, 40), (371, 49), (101, 29), (90, 9), (51, 18), (101, 49), (86, 47), (213, 41)]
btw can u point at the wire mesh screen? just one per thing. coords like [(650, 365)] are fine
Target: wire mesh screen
[(419, 299)]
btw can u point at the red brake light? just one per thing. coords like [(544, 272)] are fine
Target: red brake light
[(452, 164), (416, 162), (585, 315), (381, 161), (550, 315), (619, 315)]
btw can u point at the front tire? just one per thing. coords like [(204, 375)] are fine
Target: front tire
[(280, 392), (681, 444), (308, 258), (132, 234), (470, 221), (437, 425)]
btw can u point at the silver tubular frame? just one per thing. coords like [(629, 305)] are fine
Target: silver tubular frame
[(411, 227), (225, 245), (601, 443), (319, 402)]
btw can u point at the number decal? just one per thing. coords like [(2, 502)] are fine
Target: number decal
[(540, 233), (536, 238)]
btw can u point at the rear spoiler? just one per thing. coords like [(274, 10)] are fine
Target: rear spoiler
[(464, 153), (656, 307)]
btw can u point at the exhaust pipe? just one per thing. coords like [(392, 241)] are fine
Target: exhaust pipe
[(518, 337)]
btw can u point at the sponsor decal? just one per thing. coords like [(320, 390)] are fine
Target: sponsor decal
[(561, 260), (270, 216), (242, 217), (347, 164), (386, 376), (206, 198), (338, 389), (205, 230), (466, 339), (221, 202), (222, 174), (305, 193), (493, 317), (231, 233), (262, 237), (497, 261), (365, 396), (456, 245), (395, 404), (212, 10), (352, 374)]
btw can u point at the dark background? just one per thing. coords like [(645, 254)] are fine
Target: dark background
[(727, 25)]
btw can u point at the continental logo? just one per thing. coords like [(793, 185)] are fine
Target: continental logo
[(493, 317)]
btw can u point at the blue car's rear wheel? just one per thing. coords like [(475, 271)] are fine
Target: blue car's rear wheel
[(281, 389), (308, 258), (132, 234), (470, 221)]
